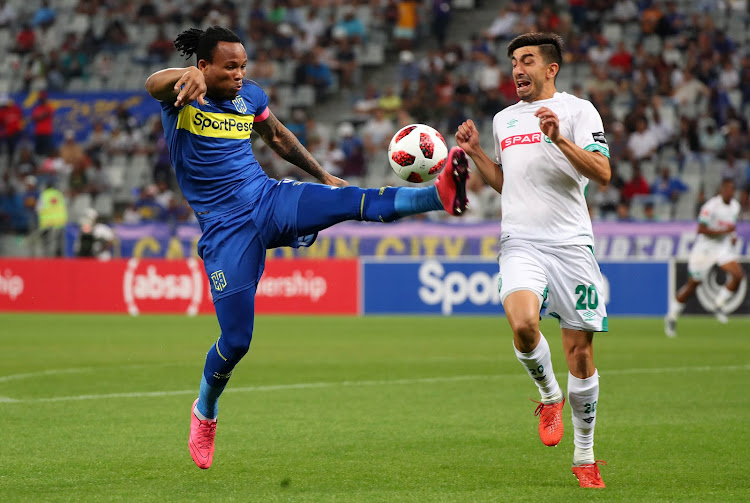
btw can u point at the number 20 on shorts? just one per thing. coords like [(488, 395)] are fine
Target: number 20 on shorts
[(588, 298)]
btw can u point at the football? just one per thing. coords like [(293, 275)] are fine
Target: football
[(417, 153)]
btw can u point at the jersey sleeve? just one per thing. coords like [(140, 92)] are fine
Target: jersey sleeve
[(259, 99), (588, 130), (704, 216), (169, 115)]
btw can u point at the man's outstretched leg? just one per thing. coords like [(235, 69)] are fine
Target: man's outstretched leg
[(236, 317), (321, 206)]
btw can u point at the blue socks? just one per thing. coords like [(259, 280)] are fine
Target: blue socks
[(208, 400), (411, 201)]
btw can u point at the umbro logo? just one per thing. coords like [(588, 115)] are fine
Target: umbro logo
[(512, 123), (589, 315), (589, 420), (539, 378)]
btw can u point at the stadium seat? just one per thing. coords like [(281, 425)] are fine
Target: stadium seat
[(104, 204)]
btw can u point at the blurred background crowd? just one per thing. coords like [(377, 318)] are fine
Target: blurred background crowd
[(671, 80)]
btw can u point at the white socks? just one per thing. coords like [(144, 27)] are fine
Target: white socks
[(538, 363), (722, 297), (675, 309), (583, 395)]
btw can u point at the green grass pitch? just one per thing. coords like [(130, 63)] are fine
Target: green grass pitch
[(377, 409)]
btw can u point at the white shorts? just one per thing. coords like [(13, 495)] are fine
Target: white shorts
[(705, 255), (567, 280)]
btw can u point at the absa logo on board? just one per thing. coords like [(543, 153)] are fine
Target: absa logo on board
[(163, 286)]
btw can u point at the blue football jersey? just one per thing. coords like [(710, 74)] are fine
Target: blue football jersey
[(210, 149)]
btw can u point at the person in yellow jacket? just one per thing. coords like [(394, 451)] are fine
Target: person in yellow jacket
[(53, 215)]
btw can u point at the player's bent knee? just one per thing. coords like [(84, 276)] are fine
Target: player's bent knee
[(526, 334)]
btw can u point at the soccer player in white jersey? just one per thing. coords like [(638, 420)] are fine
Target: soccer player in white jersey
[(548, 146), (713, 246)]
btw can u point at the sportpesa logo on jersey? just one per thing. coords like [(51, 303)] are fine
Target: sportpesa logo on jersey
[(215, 125)]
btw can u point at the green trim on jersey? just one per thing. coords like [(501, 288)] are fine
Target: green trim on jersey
[(555, 315), (605, 325), (595, 147)]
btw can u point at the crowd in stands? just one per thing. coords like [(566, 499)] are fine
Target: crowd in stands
[(671, 80)]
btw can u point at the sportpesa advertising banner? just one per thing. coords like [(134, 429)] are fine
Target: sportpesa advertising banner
[(414, 239), (471, 287)]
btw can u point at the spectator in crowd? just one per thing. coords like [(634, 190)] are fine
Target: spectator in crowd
[(264, 70), (390, 102), (161, 48), (407, 22), (26, 164), (44, 16), (351, 27), (733, 169), (315, 71), (148, 208), (42, 116), (71, 152), (353, 166), (52, 212), (96, 143), (7, 14), (623, 212), (11, 126), (441, 19), (345, 63), (377, 133), (25, 40), (643, 142), (13, 219), (649, 215), (95, 238), (147, 13), (98, 178), (604, 200), (637, 185), (669, 188)]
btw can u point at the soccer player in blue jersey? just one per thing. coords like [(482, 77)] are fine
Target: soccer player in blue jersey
[(209, 112)]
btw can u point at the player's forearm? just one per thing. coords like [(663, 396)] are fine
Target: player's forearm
[(703, 229), (592, 165), (291, 150), (490, 170), (160, 85)]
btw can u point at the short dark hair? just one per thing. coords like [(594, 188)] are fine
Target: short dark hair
[(551, 45), (202, 43), (727, 179)]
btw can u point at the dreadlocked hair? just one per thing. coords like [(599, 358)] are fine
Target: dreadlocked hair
[(202, 43)]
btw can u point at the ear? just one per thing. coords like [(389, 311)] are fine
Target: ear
[(552, 70), (202, 65)]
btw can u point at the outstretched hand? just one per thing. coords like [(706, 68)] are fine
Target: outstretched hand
[(549, 123), (467, 137), (190, 87)]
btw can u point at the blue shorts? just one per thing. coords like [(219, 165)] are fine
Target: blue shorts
[(233, 246)]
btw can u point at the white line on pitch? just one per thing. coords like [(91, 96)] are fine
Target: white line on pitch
[(311, 385)]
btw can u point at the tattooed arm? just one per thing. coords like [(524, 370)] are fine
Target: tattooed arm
[(284, 143)]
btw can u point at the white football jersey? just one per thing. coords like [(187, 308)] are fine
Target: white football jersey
[(543, 194), (717, 215)]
